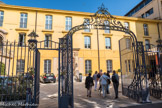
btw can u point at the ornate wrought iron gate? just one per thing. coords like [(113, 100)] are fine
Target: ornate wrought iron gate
[(65, 73), (153, 55), (137, 88), (19, 74), (133, 67)]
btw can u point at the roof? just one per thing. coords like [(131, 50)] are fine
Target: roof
[(55, 11), (134, 7)]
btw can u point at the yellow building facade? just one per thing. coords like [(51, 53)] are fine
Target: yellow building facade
[(18, 21)]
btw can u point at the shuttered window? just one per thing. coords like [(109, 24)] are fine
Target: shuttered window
[(88, 66), (109, 65), (20, 65), (47, 66)]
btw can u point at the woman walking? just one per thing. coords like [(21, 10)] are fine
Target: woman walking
[(88, 84)]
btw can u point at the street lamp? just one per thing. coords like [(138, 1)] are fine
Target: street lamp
[(33, 35), (32, 41)]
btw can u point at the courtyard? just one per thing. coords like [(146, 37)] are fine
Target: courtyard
[(49, 98)]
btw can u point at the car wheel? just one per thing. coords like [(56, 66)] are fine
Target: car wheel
[(54, 81)]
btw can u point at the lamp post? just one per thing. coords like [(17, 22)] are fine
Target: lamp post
[(32, 41)]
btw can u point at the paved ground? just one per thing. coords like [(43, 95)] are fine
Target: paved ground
[(49, 98)]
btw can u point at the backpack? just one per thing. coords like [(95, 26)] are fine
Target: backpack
[(114, 80)]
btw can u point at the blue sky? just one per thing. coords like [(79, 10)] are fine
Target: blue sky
[(115, 7)]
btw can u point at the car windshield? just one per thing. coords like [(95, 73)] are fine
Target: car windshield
[(47, 74), (52, 74)]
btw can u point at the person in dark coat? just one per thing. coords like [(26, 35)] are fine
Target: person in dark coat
[(115, 80), (108, 82), (88, 84)]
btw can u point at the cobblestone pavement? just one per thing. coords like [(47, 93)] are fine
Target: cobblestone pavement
[(49, 98)]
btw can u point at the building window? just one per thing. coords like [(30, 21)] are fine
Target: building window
[(139, 7), (129, 65), (126, 68), (87, 29), (149, 12), (1, 18), (47, 66), (48, 22), (20, 65), (126, 25), (108, 43), (22, 39), (147, 44), (87, 42), (143, 15), (109, 65), (48, 39), (106, 23), (88, 66), (23, 20), (145, 27), (128, 44), (68, 23)]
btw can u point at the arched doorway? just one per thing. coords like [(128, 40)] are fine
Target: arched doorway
[(135, 89)]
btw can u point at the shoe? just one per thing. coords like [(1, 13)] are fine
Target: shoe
[(116, 97), (89, 96)]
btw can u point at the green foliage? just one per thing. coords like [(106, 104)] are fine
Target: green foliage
[(80, 73), (119, 70), (90, 71), (2, 69)]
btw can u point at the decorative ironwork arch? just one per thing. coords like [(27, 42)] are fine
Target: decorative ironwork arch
[(97, 21)]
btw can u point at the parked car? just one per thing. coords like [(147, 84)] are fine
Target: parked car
[(48, 77)]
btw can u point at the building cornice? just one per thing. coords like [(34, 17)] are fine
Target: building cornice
[(55, 11)]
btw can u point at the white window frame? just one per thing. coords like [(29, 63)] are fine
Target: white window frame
[(147, 44), (48, 39), (126, 25), (106, 23), (68, 23), (1, 18), (87, 20), (87, 42), (107, 42), (20, 65), (88, 66), (145, 27), (22, 38), (23, 20), (47, 66), (109, 64), (48, 25)]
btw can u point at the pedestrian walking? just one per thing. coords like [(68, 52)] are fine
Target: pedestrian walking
[(115, 80), (108, 82), (103, 80), (88, 84), (95, 80), (98, 78)]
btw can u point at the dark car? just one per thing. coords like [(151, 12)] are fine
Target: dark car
[(48, 77)]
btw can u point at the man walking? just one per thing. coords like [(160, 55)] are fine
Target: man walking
[(103, 80), (88, 84), (108, 83), (95, 80), (115, 80)]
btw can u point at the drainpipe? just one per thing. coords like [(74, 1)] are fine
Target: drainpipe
[(36, 22)]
